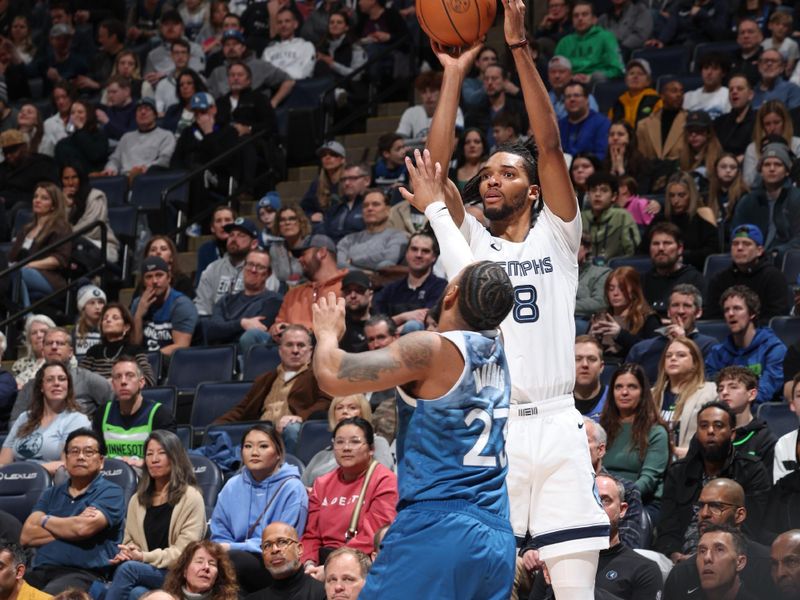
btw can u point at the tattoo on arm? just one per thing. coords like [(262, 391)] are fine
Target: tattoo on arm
[(416, 353), (366, 368)]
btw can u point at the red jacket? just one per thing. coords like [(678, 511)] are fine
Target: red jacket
[(331, 504)]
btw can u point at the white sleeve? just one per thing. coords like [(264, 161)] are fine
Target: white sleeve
[(455, 252)]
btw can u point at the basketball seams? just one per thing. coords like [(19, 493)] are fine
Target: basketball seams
[(452, 23), (447, 21)]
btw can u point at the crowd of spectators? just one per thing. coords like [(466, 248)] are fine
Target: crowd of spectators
[(666, 175)]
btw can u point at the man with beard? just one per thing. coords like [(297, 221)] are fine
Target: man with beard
[(786, 564), (711, 455), (721, 503), (666, 255), (126, 421), (163, 318), (357, 292), (620, 571), (408, 300), (281, 550), (317, 256), (224, 275)]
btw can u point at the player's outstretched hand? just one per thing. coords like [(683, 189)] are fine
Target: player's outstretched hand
[(328, 316), (457, 58), (514, 24), (426, 180)]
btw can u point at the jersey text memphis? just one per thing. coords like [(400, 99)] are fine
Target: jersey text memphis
[(539, 332)]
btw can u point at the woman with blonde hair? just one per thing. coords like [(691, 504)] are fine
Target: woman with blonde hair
[(345, 407), (681, 389), (203, 570), (628, 318), (772, 118), (317, 198), (684, 207), (26, 366), (127, 65), (45, 274)]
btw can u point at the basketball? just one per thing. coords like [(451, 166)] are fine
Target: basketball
[(456, 23)]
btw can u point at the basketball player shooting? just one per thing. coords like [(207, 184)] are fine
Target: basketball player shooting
[(550, 479)]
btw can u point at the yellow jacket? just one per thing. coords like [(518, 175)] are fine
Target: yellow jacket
[(635, 108)]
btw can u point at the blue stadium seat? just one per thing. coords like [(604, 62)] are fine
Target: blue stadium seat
[(307, 93), (165, 394), (185, 436), (791, 266), (607, 92), (119, 472), (608, 371), (213, 400), (124, 221), (260, 360), (314, 436), (690, 82), (293, 460), (673, 59), (779, 417), (115, 188), (642, 264), (209, 480), (235, 431), (22, 218), (21, 485), (714, 264), (715, 328), (147, 189), (190, 366), (155, 360), (726, 48), (786, 328)]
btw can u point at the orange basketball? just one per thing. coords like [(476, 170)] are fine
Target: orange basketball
[(456, 22)]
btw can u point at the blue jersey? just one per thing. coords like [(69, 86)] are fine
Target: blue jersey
[(453, 447)]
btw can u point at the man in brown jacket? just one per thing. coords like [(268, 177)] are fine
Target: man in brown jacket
[(288, 395)]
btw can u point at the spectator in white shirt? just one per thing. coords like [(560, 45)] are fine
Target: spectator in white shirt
[(165, 88), (292, 54), (713, 97), (55, 127)]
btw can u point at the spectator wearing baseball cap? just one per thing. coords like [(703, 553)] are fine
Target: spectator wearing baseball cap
[(700, 148), (267, 210), (163, 318), (750, 267), (639, 100), (317, 199), (60, 61), (774, 206), (317, 256), (357, 290), (630, 22)]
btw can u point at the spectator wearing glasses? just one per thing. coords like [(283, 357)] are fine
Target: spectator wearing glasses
[(76, 527), (773, 86), (345, 216)]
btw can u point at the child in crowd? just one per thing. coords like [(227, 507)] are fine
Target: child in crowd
[(390, 167), (780, 26), (613, 230), (642, 210), (267, 208), (91, 300)]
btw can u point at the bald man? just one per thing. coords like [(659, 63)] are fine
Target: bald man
[(785, 557), (281, 550), (722, 502)]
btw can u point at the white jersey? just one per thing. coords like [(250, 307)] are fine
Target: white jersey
[(539, 332)]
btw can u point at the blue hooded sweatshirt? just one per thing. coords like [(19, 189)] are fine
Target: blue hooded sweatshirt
[(764, 356), (243, 499)]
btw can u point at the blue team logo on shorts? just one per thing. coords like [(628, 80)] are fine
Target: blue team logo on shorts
[(612, 575)]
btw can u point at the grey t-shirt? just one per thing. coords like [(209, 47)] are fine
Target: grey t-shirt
[(44, 444)]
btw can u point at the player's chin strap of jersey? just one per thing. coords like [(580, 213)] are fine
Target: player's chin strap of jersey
[(352, 530)]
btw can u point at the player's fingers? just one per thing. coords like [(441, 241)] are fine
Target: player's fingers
[(407, 196), (438, 171)]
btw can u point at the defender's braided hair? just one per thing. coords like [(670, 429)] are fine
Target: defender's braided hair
[(485, 295)]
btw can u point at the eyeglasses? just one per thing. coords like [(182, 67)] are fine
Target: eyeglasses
[(280, 544), (352, 443), (715, 508), (256, 267), (87, 452)]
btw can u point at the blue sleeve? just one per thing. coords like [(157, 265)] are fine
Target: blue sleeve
[(771, 380), (713, 362), (601, 138), (43, 503), (793, 96), (220, 525), (184, 317), (291, 507), (111, 503)]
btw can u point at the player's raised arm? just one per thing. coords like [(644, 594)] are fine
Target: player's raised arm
[(441, 136), (411, 358), (554, 178)]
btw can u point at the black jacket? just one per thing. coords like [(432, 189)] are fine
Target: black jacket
[(762, 277), (735, 137), (253, 109), (756, 440), (756, 576), (781, 513), (657, 287), (682, 486)]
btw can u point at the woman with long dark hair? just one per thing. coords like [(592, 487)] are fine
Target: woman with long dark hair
[(180, 116), (623, 156), (638, 443), (39, 433), (86, 145), (164, 516), (116, 327), (337, 54), (471, 152), (86, 205)]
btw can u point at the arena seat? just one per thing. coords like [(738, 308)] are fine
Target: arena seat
[(714, 264), (185, 436), (190, 366), (119, 472), (124, 223), (672, 59), (607, 92), (690, 82), (165, 394), (642, 264), (213, 400), (791, 266), (259, 360), (209, 480), (786, 328), (235, 431), (717, 329), (148, 187), (21, 485), (726, 48), (115, 188), (608, 371), (155, 359), (293, 460), (314, 436), (779, 417)]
